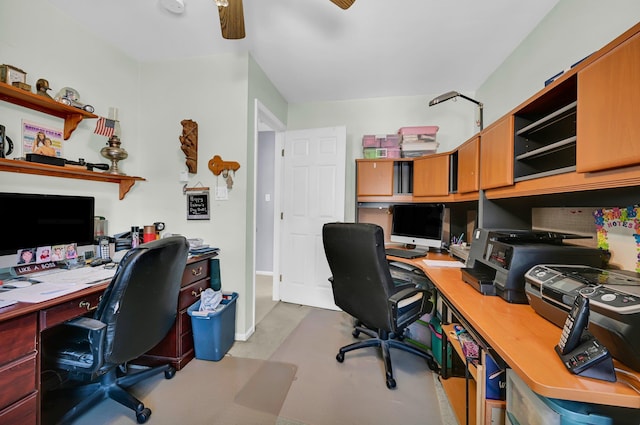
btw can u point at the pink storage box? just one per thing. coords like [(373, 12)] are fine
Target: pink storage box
[(391, 141), (393, 152), (427, 129), (369, 141)]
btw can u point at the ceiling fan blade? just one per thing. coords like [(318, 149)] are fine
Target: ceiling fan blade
[(344, 4), (232, 20)]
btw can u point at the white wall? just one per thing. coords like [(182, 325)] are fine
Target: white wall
[(218, 93), (265, 208), (213, 91), (30, 39), (572, 30)]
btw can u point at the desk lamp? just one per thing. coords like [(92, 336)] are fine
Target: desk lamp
[(454, 94)]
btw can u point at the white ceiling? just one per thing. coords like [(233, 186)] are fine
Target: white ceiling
[(314, 51)]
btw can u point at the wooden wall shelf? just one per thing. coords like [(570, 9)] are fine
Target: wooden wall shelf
[(71, 116), (71, 172)]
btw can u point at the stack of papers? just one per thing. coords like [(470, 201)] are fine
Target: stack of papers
[(443, 263), (39, 287)]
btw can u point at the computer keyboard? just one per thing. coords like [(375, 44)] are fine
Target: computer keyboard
[(82, 275), (405, 253)]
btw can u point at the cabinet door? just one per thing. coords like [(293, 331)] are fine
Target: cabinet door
[(375, 178), (496, 154), (468, 165), (608, 134), (431, 175)]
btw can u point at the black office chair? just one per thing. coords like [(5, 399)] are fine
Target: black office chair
[(136, 312), (363, 287)]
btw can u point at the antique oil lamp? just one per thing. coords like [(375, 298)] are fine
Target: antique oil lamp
[(114, 153)]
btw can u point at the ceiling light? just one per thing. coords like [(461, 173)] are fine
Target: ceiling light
[(453, 94), (173, 6), (222, 3)]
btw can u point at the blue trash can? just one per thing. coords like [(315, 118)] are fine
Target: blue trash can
[(214, 332)]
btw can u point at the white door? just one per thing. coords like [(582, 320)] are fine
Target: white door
[(313, 194)]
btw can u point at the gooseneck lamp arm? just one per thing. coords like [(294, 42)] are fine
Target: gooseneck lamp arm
[(453, 94)]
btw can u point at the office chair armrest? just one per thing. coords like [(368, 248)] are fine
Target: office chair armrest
[(95, 335), (406, 293), (408, 305), (86, 323)]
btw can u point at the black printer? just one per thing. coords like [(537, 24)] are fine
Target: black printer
[(499, 259), (614, 303)]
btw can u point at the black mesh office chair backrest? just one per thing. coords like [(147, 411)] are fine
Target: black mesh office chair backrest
[(140, 305), (361, 279)]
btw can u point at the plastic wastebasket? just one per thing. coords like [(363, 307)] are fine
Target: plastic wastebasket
[(214, 332)]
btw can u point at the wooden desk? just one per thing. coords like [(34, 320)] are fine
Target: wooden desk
[(22, 324), (525, 341)]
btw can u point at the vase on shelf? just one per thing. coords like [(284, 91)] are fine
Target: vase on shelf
[(114, 153)]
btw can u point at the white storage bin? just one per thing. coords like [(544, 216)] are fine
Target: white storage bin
[(524, 407)]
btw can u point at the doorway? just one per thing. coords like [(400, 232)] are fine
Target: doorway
[(268, 135)]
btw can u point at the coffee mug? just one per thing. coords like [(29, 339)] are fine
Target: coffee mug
[(5, 140)]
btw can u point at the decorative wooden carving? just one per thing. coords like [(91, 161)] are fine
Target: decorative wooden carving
[(189, 144)]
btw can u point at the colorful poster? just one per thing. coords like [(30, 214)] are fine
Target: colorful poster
[(37, 138), (618, 230)]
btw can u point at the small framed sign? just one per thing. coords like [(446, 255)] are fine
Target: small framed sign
[(198, 205)]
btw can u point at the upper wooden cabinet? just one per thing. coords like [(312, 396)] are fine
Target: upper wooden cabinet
[(468, 166), (608, 102), (496, 154), (431, 175), (374, 177)]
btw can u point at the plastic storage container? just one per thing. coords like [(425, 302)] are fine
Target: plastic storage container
[(436, 342), (524, 407), (214, 333)]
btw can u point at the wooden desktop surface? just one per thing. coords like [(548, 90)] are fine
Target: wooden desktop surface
[(525, 341), (22, 308)]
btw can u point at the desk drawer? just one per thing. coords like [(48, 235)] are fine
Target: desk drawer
[(63, 312), (21, 413), (191, 293), (18, 337), (195, 271), (17, 379)]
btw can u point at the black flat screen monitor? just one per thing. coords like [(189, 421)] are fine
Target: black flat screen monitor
[(418, 224), (33, 220)]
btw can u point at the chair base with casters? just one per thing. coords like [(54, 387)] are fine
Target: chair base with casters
[(384, 340), (113, 385)]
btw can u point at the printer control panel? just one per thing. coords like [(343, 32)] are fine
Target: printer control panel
[(556, 282)]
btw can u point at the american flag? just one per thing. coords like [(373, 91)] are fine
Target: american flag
[(105, 127)]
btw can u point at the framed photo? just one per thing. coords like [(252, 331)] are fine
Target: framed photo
[(40, 139), (26, 256), (43, 254)]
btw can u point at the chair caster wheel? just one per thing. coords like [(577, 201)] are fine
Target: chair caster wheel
[(340, 357), (391, 383), (170, 373), (143, 415), (432, 365), (355, 333)]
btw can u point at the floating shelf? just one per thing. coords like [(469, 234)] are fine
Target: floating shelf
[(71, 172), (71, 116)]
